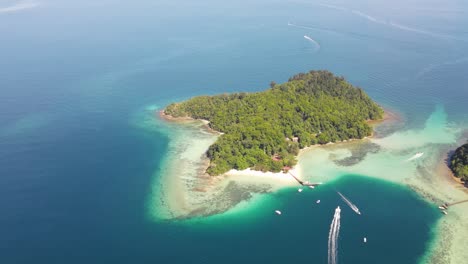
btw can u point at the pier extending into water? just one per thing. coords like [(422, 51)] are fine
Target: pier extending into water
[(459, 202), (445, 206), (303, 183)]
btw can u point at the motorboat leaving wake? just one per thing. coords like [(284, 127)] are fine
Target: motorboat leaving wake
[(349, 203), (333, 237), (317, 45), (416, 156)]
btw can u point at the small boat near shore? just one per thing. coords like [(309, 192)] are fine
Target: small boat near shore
[(416, 156)]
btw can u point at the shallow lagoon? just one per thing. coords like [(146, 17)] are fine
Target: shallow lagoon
[(78, 167)]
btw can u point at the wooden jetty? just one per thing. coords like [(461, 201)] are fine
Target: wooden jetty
[(443, 208), (459, 202), (303, 183)]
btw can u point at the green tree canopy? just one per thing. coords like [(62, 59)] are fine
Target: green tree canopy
[(459, 162), (264, 130)]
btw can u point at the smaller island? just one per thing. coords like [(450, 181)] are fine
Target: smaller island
[(459, 162), (265, 130)]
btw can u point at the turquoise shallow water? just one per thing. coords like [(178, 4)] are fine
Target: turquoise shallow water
[(387, 221), (78, 156)]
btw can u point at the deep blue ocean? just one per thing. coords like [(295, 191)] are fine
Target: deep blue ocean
[(76, 77)]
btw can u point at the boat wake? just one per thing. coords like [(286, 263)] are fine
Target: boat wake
[(432, 67), (333, 237), (386, 23), (416, 156), (332, 6), (20, 5), (317, 45), (366, 16), (349, 203)]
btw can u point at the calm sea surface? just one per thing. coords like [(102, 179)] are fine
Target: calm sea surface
[(76, 166)]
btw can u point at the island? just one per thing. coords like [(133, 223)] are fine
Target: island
[(459, 162), (265, 130)]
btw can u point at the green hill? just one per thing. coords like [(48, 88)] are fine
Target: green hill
[(459, 162), (265, 130)]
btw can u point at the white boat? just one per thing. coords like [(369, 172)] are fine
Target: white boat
[(442, 208), (444, 212), (299, 190), (416, 156), (311, 186), (365, 239), (278, 212), (318, 201)]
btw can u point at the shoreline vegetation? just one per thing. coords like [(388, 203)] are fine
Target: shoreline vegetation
[(265, 131), (458, 163), (216, 195)]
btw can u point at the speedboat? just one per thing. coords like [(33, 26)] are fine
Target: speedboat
[(318, 201), (365, 239), (299, 190), (278, 212)]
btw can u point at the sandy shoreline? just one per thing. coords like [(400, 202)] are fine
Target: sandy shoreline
[(444, 170), (185, 190), (163, 116), (452, 230), (276, 178), (183, 197), (188, 195)]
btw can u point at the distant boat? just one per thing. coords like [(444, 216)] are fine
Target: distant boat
[(311, 186), (350, 204), (442, 208), (278, 212), (444, 212), (318, 201), (416, 156), (365, 239), (299, 190)]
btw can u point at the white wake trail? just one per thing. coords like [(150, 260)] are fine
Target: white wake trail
[(349, 203), (385, 23), (366, 16), (415, 30), (21, 5), (317, 45), (416, 156), (432, 67), (333, 237), (332, 7)]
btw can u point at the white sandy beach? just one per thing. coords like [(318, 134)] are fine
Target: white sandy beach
[(184, 190)]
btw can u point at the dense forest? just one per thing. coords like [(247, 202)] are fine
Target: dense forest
[(459, 162), (265, 130)]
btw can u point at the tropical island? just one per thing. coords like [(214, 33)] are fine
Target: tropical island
[(459, 162), (265, 130)]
